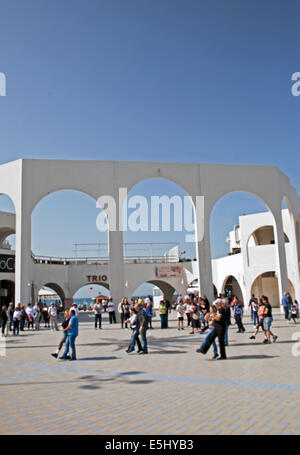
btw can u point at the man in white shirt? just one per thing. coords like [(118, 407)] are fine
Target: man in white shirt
[(74, 307), (36, 316), (53, 316), (98, 308), (111, 311), (16, 320), (180, 313)]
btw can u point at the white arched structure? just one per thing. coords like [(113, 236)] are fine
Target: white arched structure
[(28, 181)]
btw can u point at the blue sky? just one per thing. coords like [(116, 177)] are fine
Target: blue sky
[(181, 80)]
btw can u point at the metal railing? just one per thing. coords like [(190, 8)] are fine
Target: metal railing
[(103, 261)]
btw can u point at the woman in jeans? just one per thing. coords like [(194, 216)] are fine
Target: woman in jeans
[(209, 317)]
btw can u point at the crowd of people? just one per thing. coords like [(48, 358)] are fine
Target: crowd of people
[(193, 311)]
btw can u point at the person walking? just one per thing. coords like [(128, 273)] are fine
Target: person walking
[(149, 314), (53, 317), (141, 329), (98, 308), (188, 309), (195, 317), (169, 309), (11, 309), (132, 320), (268, 318), (293, 314), (253, 299), (23, 318), (4, 321), (180, 313), (29, 312), (124, 311), (72, 333), (218, 331), (163, 314), (238, 314), (46, 316), (111, 311), (285, 302), (36, 316), (225, 304), (16, 320), (65, 324), (260, 323), (210, 318)]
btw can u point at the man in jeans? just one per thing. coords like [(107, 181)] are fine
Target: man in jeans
[(98, 316), (53, 317), (140, 329), (72, 333)]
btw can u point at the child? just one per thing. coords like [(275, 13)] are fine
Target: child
[(294, 313), (180, 313)]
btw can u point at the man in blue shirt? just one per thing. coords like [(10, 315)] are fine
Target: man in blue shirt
[(286, 303), (72, 333)]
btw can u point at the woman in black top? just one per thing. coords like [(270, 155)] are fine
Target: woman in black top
[(63, 340), (4, 319)]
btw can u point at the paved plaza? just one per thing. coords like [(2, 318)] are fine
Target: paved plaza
[(172, 390)]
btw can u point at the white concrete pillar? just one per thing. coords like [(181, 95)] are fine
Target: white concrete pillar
[(203, 253), (283, 283), (23, 267), (116, 266), (295, 257)]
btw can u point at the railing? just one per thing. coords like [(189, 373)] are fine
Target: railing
[(104, 261)]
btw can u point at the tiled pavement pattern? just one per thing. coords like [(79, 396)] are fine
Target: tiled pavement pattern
[(173, 390)]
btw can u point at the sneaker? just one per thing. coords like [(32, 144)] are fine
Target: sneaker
[(54, 354), (215, 357), (252, 337), (266, 341), (199, 350), (221, 358), (275, 338)]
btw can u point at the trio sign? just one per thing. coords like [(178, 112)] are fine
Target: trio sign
[(7, 263)]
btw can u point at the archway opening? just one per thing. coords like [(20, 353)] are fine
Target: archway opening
[(63, 226), (85, 296), (159, 220), (267, 284), (232, 288), (51, 293), (155, 290), (7, 292)]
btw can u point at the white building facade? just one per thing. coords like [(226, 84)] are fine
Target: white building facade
[(255, 266)]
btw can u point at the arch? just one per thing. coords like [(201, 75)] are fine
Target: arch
[(267, 284), (166, 288), (7, 292), (56, 288), (252, 193), (87, 231), (215, 292), (160, 186), (264, 235), (232, 287), (231, 220)]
